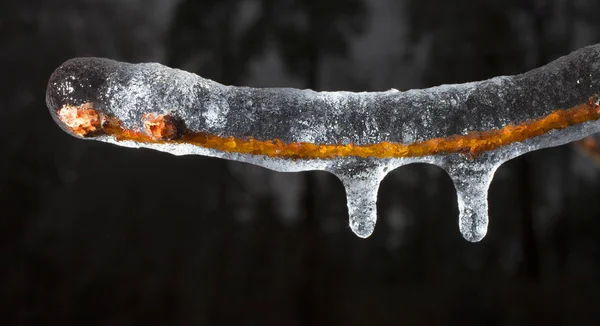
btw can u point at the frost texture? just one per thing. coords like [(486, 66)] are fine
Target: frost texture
[(128, 92)]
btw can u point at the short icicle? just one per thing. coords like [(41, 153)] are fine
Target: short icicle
[(361, 185), (472, 179)]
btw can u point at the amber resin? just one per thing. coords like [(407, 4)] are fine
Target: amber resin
[(85, 121)]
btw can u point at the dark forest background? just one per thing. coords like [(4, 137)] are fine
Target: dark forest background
[(94, 234)]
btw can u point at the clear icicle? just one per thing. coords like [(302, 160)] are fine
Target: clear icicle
[(472, 180), (361, 187)]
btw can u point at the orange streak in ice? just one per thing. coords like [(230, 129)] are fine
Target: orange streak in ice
[(473, 143)]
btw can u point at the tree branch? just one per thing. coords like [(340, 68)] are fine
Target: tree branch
[(470, 128)]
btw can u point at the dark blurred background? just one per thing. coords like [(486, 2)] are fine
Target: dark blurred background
[(94, 234)]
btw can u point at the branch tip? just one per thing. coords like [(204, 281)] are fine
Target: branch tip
[(82, 120)]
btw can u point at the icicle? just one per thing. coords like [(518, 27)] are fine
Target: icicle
[(361, 185), (472, 179)]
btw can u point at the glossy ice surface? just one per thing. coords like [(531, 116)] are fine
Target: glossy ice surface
[(467, 129)]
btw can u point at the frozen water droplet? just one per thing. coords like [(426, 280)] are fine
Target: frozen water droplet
[(472, 180), (361, 185)]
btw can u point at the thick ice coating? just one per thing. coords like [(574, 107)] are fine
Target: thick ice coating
[(468, 129)]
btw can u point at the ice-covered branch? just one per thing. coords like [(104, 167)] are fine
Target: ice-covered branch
[(467, 129)]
